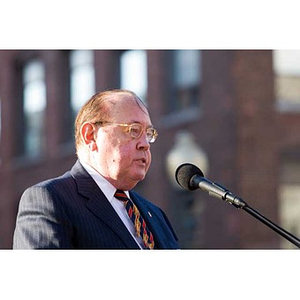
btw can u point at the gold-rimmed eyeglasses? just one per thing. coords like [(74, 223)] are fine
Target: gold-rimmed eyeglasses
[(135, 130)]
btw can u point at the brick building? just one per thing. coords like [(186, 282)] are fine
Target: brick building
[(241, 107)]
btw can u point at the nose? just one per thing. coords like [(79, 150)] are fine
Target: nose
[(143, 143)]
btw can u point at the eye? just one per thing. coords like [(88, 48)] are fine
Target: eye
[(135, 130), (150, 133)]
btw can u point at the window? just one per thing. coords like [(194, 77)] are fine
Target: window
[(0, 131), (185, 75), (186, 79), (286, 64), (82, 77), (0, 119), (134, 72), (34, 104), (289, 195)]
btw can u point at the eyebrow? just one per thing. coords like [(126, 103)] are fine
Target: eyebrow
[(149, 126)]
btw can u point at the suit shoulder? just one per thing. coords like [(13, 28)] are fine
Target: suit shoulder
[(51, 186), (56, 181)]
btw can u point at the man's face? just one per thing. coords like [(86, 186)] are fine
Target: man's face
[(122, 160)]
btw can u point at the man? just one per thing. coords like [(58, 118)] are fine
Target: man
[(89, 206)]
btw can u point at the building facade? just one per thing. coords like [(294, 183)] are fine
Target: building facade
[(241, 107)]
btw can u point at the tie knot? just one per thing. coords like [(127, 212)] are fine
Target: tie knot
[(120, 195)]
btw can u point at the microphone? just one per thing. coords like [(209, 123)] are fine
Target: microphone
[(191, 178)]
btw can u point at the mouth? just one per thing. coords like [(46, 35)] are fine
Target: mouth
[(142, 160)]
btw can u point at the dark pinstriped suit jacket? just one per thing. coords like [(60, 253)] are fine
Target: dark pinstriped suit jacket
[(72, 212)]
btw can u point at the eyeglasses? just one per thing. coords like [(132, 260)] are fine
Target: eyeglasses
[(135, 130)]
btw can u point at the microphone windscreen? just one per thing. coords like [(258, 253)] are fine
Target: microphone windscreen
[(184, 174)]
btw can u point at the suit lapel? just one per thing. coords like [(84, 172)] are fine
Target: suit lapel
[(156, 222), (150, 219), (100, 206)]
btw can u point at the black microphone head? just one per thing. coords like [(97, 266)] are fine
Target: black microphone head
[(184, 174)]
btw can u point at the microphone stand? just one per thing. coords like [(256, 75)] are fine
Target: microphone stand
[(241, 204), (273, 226)]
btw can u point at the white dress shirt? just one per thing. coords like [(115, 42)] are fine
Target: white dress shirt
[(109, 191)]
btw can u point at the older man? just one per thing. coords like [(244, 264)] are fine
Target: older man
[(93, 206)]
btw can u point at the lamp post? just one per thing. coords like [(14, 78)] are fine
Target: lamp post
[(185, 150)]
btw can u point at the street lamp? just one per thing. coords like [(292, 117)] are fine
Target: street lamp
[(185, 150), (185, 210)]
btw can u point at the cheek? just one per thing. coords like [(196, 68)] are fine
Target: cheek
[(149, 159), (107, 145), (124, 154), (106, 153), (118, 156)]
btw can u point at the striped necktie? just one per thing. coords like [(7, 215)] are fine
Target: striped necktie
[(136, 218)]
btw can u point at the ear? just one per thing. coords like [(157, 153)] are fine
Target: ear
[(88, 134)]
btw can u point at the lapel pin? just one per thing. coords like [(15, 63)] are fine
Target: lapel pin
[(149, 214)]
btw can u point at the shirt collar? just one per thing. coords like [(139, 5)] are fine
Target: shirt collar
[(106, 187)]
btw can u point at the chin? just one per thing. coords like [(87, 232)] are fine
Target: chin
[(138, 177)]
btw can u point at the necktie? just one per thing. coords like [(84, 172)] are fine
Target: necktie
[(138, 221)]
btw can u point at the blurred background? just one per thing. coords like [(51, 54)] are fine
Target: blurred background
[(234, 113)]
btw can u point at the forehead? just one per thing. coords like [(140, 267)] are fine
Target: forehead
[(126, 108)]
